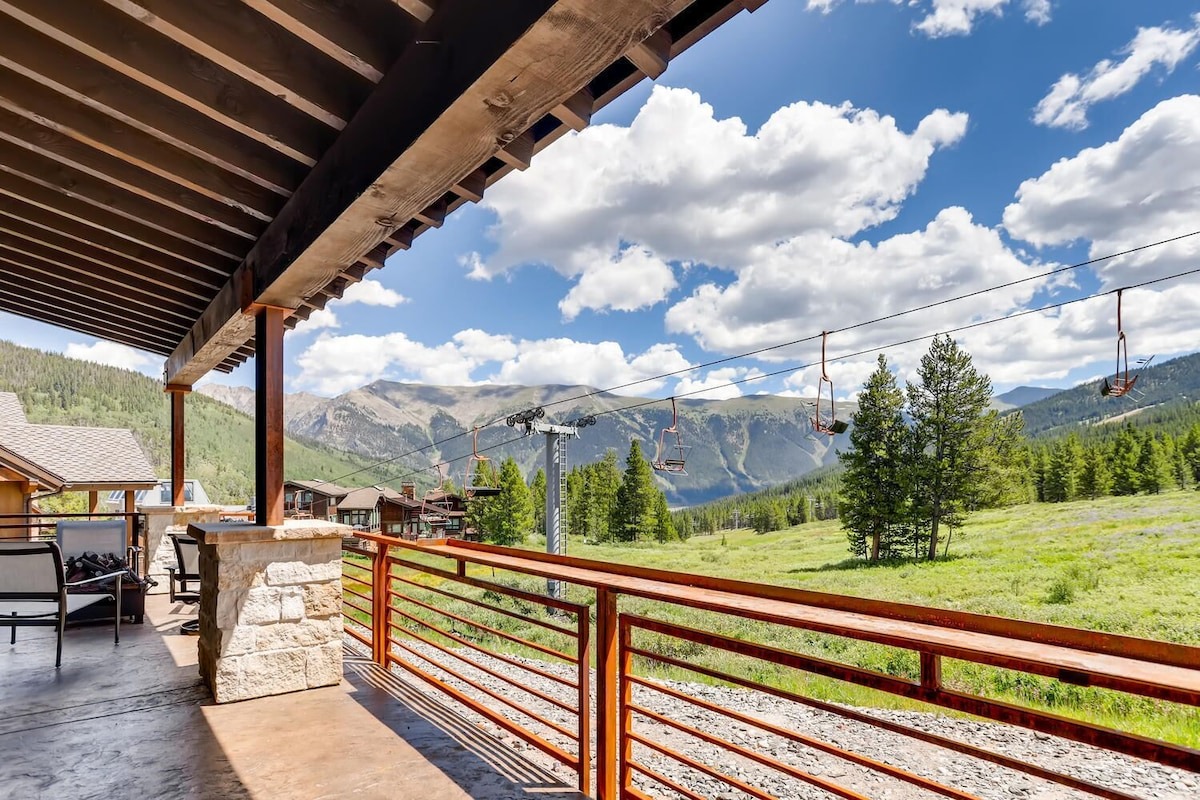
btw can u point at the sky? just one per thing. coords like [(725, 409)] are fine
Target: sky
[(805, 168)]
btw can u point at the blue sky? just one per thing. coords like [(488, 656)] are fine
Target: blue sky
[(806, 167)]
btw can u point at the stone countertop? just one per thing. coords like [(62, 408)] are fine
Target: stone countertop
[(244, 533)]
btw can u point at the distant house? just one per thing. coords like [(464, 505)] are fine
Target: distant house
[(401, 514), (316, 499), (160, 495), (362, 508), (46, 459)]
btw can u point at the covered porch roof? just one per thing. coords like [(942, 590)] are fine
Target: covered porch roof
[(167, 168)]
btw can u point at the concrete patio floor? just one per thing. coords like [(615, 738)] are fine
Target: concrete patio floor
[(134, 721)]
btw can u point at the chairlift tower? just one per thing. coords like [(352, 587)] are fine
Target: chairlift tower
[(556, 493)]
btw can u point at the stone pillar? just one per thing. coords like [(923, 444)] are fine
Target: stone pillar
[(270, 607), (162, 520)]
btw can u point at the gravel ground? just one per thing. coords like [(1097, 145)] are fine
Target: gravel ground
[(950, 768)]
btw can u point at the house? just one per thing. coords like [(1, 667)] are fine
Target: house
[(161, 495), (312, 499), (362, 509), (36, 460), (378, 508)]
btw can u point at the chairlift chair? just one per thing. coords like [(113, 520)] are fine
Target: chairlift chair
[(671, 457), (480, 475), (822, 423), (1122, 382), (434, 512)]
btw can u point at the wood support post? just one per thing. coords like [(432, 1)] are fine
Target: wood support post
[(931, 671), (130, 528), (268, 419), (178, 443), (606, 695), (93, 503), (379, 605), (625, 691)]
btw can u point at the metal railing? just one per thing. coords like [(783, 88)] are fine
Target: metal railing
[(42, 527), (422, 626)]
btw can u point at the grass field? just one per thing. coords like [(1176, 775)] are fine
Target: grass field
[(1125, 565)]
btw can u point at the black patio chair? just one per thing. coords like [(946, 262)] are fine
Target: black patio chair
[(185, 574), (33, 590)]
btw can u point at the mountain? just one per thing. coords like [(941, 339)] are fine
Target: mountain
[(1021, 396), (735, 445), (1174, 381), (220, 440)]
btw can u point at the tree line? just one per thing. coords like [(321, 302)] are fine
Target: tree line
[(1123, 462)]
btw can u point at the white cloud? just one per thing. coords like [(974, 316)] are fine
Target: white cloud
[(680, 185), (371, 292), (958, 17), (336, 364), (321, 319), (1143, 187), (114, 354), (1067, 103), (715, 385), (631, 280)]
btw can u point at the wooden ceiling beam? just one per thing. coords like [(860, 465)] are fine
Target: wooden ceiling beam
[(101, 325), (50, 224), (52, 145), (576, 111), (68, 248), (126, 46), (100, 214), (249, 45), (71, 304), (518, 152), (36, 265), (365, 35), (490, 71), (433, 216), (420, 9), (652, 55), (60, 69), (66, 179), (67, 117), (471, 186)]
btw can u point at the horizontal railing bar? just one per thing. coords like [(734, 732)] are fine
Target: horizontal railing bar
[(549, 651), (467, 643), (357, 551), (364, 640), (352, 565), (479, 603), (895, 727), (601, 574), (1130, 744), (816, 744), (520, 594), (665, 781), (504, 722), (499, 698), (498, 675), (366, 611), (705, 769), (359, 595), (753, 755)]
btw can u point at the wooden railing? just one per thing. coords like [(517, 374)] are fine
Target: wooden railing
[(422, 626)]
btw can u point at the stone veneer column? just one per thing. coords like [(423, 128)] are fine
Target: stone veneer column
[(270, 607)]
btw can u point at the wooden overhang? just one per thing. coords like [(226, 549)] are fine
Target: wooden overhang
[(168, 166)]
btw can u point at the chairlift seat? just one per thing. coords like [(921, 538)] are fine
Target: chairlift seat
[(482, 491)]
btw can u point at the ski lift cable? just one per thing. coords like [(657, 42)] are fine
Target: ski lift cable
[(769, 348)]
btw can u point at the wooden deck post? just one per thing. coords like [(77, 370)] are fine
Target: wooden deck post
[(93, 503), (379, 605), (178, 442), (268, 419), (606, 695), (130, 495)]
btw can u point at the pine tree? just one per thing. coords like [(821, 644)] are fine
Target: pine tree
[(1191, 453), (1154, 471), (946, 408), (1004, 478), (1095, 480), (507, 518), (664, 526), (875, 485), (633, 512), (1062, 474), (537, 495), (1126, 454)]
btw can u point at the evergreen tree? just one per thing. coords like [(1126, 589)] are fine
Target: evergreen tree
[(507, 518), (664, 526), (946, 407), (1126, 454), (537, 495), (1004, 478), (1095, 480), (1062, 474), (875, 485), (634, 511), (1191, 453), (1154, 471)]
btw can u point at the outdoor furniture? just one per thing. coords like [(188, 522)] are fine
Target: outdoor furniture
[(185, 574), (33, 590), (104, 536)]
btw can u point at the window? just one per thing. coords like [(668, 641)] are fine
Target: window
[(164, 492)]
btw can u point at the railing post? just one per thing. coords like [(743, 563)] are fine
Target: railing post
[(585, 704), (931, 671), (626, 694), (379, 604), (606, 695)]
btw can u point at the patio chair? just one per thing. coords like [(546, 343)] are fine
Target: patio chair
[(33, 590), (77, 537), (185, 573)]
